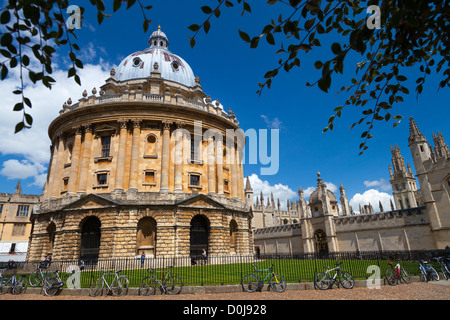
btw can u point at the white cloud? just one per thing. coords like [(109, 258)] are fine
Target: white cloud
[(272, 124), (373, 197), (14, 169), (280, 191), (30, 148), (379, 184)]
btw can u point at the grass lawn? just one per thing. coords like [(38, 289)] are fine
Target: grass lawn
[(293, 270)]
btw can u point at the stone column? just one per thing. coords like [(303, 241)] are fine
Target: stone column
[(234, 182), (134, 167), (57, 183), (210, 164), (84, 171), (165, 157), (219, 165), (50, 184), (178, 158), (72, 188), (120, 171)]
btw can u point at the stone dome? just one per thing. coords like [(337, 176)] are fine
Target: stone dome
[(140, 64), (316, 195)]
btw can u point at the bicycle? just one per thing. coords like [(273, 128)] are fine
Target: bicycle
[(324, 280), (397, 273), (36, 278), (51, 283), (170, 284), (118, 287), (13, 284), (428, 272), (252, 282), (445, 269)]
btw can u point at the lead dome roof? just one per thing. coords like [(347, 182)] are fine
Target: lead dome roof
[(140, 64)]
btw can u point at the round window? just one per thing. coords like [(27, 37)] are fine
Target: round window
[(175, 66), (137, 62)]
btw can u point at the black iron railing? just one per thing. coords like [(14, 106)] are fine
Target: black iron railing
[(226, 270)]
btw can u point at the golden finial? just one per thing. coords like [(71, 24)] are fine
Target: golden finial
[(159, 27)]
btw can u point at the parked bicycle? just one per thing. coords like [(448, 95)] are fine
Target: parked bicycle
[(51, 283), (397, 273), (36, 278), (15, 285), (169, 283), (117, 287), (427, 272), (255, 281), (444, 264), (325, 280)]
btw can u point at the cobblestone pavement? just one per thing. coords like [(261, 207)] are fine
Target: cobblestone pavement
[(413, 291)]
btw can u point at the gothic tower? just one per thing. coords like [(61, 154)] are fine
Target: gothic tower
[(433, 174), (403, 182), (346, 211)]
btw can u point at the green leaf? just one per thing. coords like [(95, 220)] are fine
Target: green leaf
[(270, 39), (206, 9), (194, 27), (244, 36), (19, 127), (336, 48)]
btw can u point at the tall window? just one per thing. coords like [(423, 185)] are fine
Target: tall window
[(22, 211), (195, 150), (106, 146)]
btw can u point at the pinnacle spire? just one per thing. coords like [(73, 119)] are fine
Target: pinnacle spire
[(414, 132)]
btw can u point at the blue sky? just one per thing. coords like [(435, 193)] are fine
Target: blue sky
[(229, 71)]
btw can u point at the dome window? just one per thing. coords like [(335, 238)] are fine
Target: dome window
[(175, 66), (137, 62)]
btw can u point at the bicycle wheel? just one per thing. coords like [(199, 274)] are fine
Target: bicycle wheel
[(173, 285), (35, 279), (96, 287), (322, 281), (405, 275), (147, 286), (346, 280), (119, 287), (434, 275), (391, 277), (51, 286), (423, 275), (20, 286), (277, 283), (250, 283)]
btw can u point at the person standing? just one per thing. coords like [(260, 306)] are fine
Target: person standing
[(142, 259)]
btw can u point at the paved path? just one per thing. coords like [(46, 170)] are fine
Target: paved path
[(415, 291)]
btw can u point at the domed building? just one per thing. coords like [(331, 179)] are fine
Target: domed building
[(147, 163)]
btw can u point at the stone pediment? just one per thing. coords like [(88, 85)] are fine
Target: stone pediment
[(90, 201), (201, 201)]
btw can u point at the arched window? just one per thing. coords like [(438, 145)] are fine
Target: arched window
[(51, 229), (199, 235), (68, 154), (90, 239), (233, 236), (321, 241), (146, 237)]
